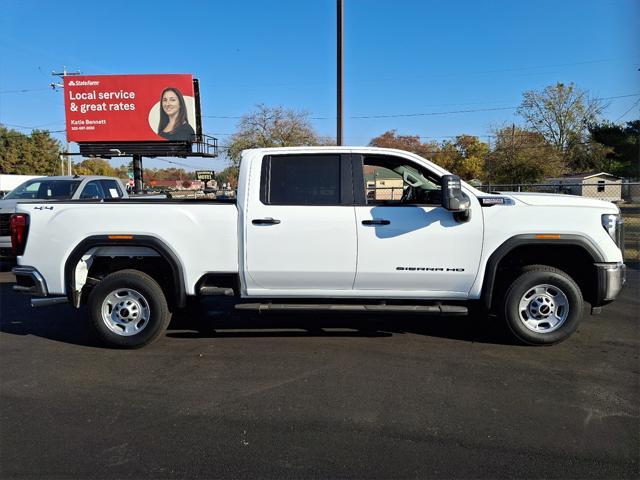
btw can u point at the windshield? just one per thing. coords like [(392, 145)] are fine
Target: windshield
[(44, 189)]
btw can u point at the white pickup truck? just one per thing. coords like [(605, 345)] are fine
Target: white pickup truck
[(333, 228)]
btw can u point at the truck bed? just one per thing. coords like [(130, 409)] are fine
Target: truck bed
[(203, 234)]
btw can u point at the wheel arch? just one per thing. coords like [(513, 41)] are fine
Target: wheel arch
[(177, 273), (572, 243)]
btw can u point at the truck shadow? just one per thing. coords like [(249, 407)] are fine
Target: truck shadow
[(62, 323)]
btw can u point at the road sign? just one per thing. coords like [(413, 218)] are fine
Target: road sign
[(204, 175)]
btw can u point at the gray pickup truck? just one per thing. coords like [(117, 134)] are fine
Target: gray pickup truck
[(54, 188)]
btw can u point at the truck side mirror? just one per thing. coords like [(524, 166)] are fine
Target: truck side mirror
[(453, 199)]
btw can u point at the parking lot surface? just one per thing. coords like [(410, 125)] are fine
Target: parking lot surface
[(321, 396)]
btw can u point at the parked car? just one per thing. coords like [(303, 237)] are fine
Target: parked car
[(55, 188), (304, 235)]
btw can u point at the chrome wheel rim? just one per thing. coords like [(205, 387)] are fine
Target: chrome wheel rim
[(125, 312), (543, 308)]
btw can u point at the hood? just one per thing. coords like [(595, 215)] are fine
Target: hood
[(560, 200)]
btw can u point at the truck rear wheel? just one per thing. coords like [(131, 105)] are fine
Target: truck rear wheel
[(543, 306), (128, 309)]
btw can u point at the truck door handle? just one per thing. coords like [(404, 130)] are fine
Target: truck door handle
[(376, 222), (265, 221)]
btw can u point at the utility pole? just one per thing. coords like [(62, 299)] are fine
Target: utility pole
[(55, 86), (340, 82)]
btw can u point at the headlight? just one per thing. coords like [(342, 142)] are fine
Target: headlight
[(614, 224)]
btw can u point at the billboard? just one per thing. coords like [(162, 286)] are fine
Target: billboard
[(130, 108)]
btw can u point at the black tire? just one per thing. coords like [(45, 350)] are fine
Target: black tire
[(517, 318), (147, 301)]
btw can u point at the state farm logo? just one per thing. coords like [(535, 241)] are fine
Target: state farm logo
[(83, 83)]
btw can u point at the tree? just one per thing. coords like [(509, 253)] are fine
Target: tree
[(94, 166), (409, 143), (561, 114), (35, 154), (522, 156), (230, 176), (122, 171), (465, 157), (622, 156), (271, 127)]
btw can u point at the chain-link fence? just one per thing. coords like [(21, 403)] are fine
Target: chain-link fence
[(624, 194)]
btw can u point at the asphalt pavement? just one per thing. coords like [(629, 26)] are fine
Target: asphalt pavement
[(318, 396)]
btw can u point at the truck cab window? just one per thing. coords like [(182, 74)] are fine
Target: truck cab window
[(302, 180), (396, 181), (111, 188), (92, 190)]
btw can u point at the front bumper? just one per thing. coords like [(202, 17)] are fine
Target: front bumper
[(611, 279), (30, 281)]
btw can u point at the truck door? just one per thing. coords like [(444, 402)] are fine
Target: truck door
[(406, 240), (301, 231)]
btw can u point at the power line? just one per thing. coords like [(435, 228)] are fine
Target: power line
[(420, 114), (3, 92), (630, 108)]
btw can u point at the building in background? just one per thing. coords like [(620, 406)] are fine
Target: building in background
[(602, 185)]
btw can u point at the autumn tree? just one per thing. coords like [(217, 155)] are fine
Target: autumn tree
[(122, 171), (271, 127), (522, 156), (94, 166), (562, 114), (464, 157), (171, 173), (229, 176), (409, 143), (34, 154)]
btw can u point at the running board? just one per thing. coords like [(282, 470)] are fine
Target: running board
[(452, 310)]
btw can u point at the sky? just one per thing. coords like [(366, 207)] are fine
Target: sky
[(431, 68)]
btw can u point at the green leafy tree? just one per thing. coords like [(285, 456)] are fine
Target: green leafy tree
[(271, 127), (562, 114), (522, 156), (622, 145), (34, 154)]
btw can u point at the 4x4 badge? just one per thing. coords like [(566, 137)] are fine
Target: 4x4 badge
[(43, 208)]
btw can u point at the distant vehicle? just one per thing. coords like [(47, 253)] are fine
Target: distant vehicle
[(54, 188), (9, 182)]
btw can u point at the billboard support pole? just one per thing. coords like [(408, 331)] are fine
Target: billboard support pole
[(137, 173)]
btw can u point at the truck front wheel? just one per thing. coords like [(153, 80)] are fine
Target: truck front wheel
[(128, 309), (543, 306)]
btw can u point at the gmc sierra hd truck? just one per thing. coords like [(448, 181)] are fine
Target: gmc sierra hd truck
[(326, 228)]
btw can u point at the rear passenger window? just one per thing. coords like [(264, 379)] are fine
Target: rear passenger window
[(302, 180), (92, 190), (111, 189)]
